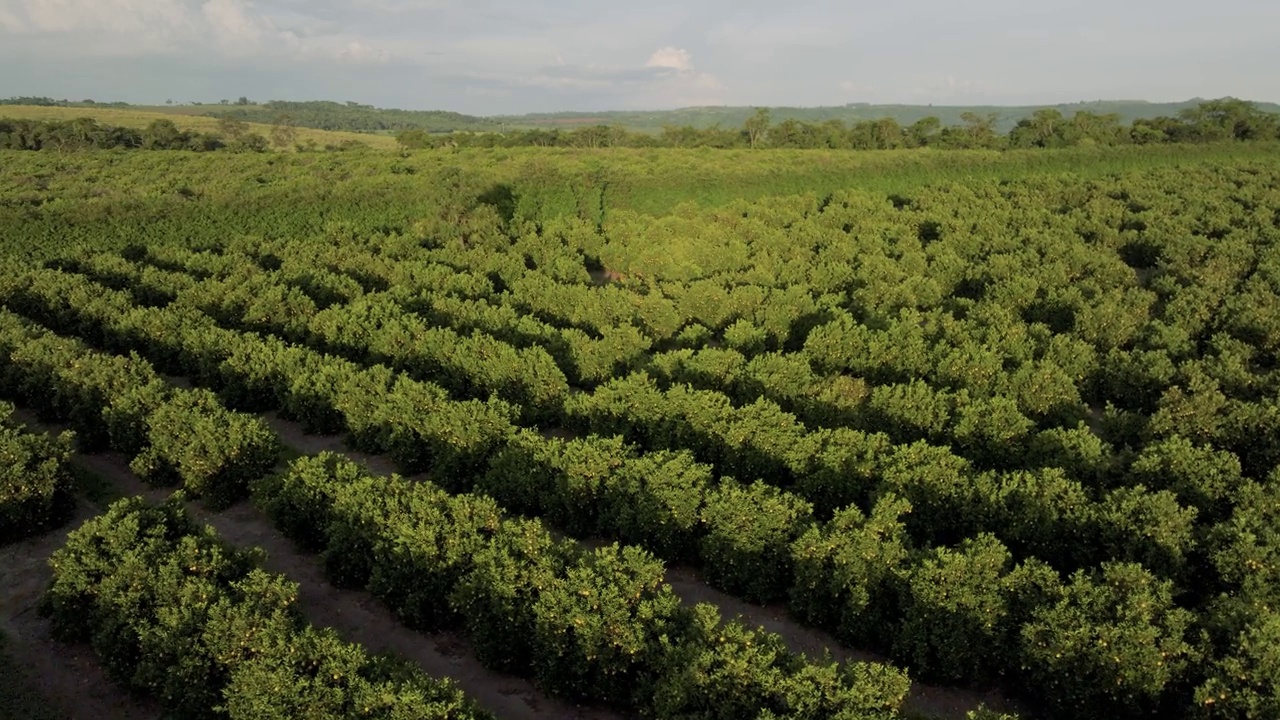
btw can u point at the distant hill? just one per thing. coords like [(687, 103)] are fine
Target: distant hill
[(735, 116), (354, 117)]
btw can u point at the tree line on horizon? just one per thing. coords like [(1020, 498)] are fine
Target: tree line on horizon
[(1210, 121), (87, 133), (315, 114), (1226, 119)]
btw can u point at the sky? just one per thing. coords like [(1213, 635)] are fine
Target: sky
[(489, 57)]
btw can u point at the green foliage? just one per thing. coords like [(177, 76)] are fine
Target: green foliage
[(35, 479), (600, 626), (109, 201), (601, 487), (86, 133), (842, 128), (1199, 475), (175, 436), (954, 614), (497, 598), (745, 337), (212, 452), (1245, 548), (1245, 683), (174, 614), (598, 633), (1113, 640), (1060, 376), (325, 115), (725, 671), (846, 572), (300, 501), (749, 531), (425, 543)]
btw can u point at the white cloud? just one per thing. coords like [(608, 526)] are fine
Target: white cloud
[(238, 29), (357, 52), (671, 57), (498, 56), (680, 83), (235, 26), (10, 23), (108, 16)]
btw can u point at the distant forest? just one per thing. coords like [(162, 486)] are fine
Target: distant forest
[(1226, 119), (1211, 121), (355, 117), (319, 115)]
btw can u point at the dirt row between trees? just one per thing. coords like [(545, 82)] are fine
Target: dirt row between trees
[(75, 684)]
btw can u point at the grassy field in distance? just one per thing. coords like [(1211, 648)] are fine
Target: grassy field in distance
[(49, 201), (140, 119)]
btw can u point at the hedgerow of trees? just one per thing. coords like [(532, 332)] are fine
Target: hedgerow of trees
[(1211, 121), (599, 626), (176, 615), (36, 479), (1222, 120)]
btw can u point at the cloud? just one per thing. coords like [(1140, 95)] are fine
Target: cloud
[(671, 57), (143, 18), (667, 79), (10, 23), (496, 56), (681, 84), (234, 29), (357, 52), (235, 26)]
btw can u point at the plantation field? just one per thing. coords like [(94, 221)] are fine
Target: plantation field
[(666, 434), (105, 199), (142, 117)]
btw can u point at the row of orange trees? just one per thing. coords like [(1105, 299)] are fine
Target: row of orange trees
[(597, 625), (175, 614), (36, 479), (172, 435)]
